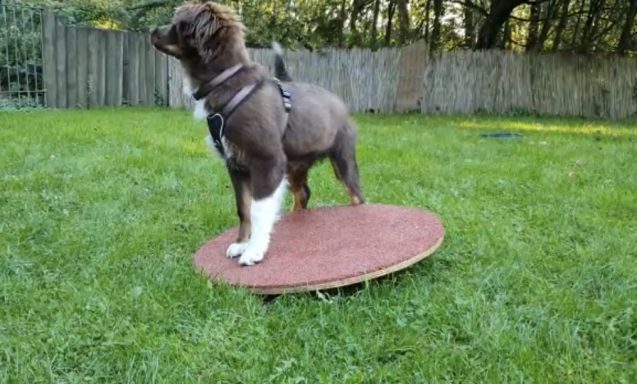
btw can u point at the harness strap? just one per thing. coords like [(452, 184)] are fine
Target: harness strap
[(239, 98), (217, 121), (205, 89)]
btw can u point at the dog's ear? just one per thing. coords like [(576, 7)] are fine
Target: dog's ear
[(197, 24), (206, 26)]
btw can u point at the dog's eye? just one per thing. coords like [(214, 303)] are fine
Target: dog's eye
[(183, 29)]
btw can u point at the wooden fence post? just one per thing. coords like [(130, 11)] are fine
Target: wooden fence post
[(48, 58), (411, 72), (93, 65), (150, 71), (114, 68), (71, 67), (82, 67), (60, 62)]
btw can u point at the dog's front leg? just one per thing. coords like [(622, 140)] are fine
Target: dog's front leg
[(243, 198), (268, 185)]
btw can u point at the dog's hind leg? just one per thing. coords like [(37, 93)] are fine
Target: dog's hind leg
[(243, 198), (343, 158), (346, 170), (297, 176)]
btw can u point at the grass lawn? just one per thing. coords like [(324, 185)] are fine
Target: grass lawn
[(536, 282)]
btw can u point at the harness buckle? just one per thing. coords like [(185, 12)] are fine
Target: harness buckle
[(215, 126), (285, 95)]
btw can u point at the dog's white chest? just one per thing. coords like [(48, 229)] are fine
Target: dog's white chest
[(226, 148), (199, 111), (199, 106)]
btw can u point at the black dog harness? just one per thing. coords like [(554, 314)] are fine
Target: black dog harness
[(217, 120)]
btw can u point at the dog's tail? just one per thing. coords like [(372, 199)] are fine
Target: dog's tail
[(280, 72)]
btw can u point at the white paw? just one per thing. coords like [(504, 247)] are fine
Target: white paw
[(251, 256), (236, 249)]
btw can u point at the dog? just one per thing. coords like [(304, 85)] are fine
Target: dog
[(269, 133)]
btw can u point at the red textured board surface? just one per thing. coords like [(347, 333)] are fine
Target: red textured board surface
[(328, 248)]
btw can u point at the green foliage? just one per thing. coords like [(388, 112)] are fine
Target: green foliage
[(102, 211), (19, 104), (590, 26), (159, 98), (111, 14), (20, 57)]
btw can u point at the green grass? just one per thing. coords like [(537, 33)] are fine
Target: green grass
[(536, 282)]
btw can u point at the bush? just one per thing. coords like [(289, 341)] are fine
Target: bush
[(20, 51), (19, 104)]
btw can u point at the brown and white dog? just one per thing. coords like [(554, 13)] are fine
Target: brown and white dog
[(265, 147)]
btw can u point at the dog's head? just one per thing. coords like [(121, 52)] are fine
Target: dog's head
[(198, 31)]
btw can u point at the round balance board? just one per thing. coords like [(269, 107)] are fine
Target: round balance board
[(326, 248)]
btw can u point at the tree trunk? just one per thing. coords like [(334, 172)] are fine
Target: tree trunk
[(427, 8), (375, 25), (579, 22), (403, 22), (590, 27), (561, 25), (390, 18), (505, 41), (342, 16), (469, 28), (498, 13), (531, 40), (549, 15), (597, 24), (625, 38), (434, 44), (356, 10)]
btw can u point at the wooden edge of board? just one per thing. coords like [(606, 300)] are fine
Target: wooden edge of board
[(280, 290), (350, 280)]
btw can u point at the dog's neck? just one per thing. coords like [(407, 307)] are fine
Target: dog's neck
[(224, 56), (218, 80)]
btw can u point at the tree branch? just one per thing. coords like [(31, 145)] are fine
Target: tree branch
[(582, 12), (468, 4), (150, 5), (604, 31)]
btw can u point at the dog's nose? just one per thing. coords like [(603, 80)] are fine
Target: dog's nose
[(159, 33), (154, 35)]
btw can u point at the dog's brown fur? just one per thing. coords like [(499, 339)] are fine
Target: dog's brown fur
[(266, 143)]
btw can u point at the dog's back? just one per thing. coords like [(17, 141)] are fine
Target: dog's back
[(319, 125)]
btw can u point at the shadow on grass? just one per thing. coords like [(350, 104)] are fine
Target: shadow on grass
[(549, 125), (428, 268)]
